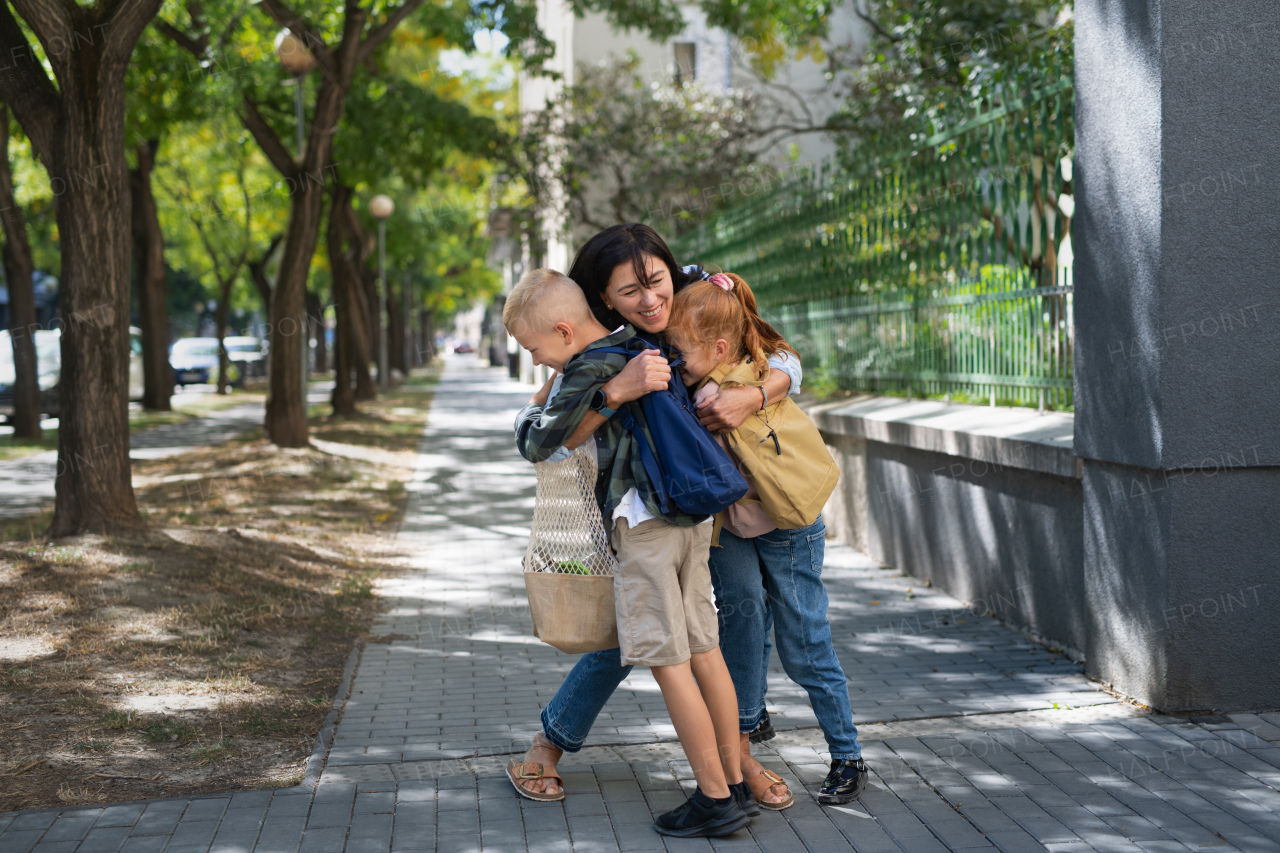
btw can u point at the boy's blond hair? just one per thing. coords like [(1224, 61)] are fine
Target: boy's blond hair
[(542, 298)]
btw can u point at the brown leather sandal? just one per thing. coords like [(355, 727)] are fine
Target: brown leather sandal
[(525, 771), (760, 785)]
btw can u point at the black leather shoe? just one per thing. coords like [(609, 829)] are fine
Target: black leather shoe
[(845, 783), (701, 816), (764, 731)]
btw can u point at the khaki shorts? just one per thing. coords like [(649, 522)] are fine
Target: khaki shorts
[(662, 592)]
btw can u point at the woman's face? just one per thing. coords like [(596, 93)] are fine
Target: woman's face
[(646, 308)]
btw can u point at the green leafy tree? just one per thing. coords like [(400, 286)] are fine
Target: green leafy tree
[(164, 88), (406, 122), (219, 200), (616, 148), (340, 40), (929, 58)]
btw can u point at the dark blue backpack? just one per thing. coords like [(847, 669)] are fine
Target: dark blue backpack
[(691, 471)]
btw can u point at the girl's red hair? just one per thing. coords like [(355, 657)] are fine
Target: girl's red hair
[(703, 313)]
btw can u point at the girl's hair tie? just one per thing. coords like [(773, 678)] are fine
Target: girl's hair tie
[(722, 281)]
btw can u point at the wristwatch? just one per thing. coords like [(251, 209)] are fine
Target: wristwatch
[(598, 404)]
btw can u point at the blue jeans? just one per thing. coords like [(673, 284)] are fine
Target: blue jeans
[(569, 716), (777, 578)]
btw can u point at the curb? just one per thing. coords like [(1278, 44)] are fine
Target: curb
[(324, 739)]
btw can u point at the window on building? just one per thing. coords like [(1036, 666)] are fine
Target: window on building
[(686, 62)]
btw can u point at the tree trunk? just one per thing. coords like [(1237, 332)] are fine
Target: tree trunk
[(363, 306), (286, 414), (315, 313), (94, 488), (344, 400), (286, 417), (152, 284), (258, 272), (220, 327), (18, 269), (373, 316)]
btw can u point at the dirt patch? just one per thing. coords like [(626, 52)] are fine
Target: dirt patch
[(204, 655)]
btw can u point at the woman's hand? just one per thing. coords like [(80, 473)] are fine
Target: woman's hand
[(649, 371), (540, 398), (729, 409)]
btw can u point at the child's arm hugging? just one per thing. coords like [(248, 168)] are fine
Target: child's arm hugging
[(543, 430)]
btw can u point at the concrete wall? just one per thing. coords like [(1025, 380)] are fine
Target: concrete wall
[(984, 503), (1163, 582), (1007, 539), (1177, 317)]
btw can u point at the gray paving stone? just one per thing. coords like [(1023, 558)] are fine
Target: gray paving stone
[(119, 816), (200, 810), (70, 827), (285, 840), (55, 847), (235, 842), (1015, 842), (1163, 847), (372, 825), (104, 839), (145, 843), (468, 842), (243, 820), (290, 805), (368, 844), (195, 833), (32, 821), (159, 819), (863, 836), (330, 839)]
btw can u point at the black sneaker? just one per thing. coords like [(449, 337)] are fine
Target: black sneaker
[(701, 817), (764, 731), (746, 799), (845, 783)]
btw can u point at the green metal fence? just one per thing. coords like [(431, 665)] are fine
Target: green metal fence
[(933, 267)]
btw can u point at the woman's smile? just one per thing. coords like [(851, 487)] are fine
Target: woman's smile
[(645, 304)]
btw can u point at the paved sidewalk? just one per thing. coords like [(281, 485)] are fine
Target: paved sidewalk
[(979, 740)]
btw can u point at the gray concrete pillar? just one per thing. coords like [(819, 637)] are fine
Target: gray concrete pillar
[(1177, 370)]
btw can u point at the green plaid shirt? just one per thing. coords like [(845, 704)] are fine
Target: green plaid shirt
[(540, 431)]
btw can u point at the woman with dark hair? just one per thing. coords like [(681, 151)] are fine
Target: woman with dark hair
[(629, 275)]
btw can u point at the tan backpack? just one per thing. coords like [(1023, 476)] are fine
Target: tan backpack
[(782, 454)]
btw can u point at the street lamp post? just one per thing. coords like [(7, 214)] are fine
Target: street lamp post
[(298, 61), (381, 207)]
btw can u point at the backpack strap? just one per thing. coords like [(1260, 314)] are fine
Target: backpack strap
[(651, 466)]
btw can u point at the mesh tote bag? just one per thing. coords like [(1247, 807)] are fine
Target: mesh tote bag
[(568, 569)]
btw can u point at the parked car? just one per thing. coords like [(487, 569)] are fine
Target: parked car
[(49, 369), (194, 361), (247, 353), (464, 348)]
